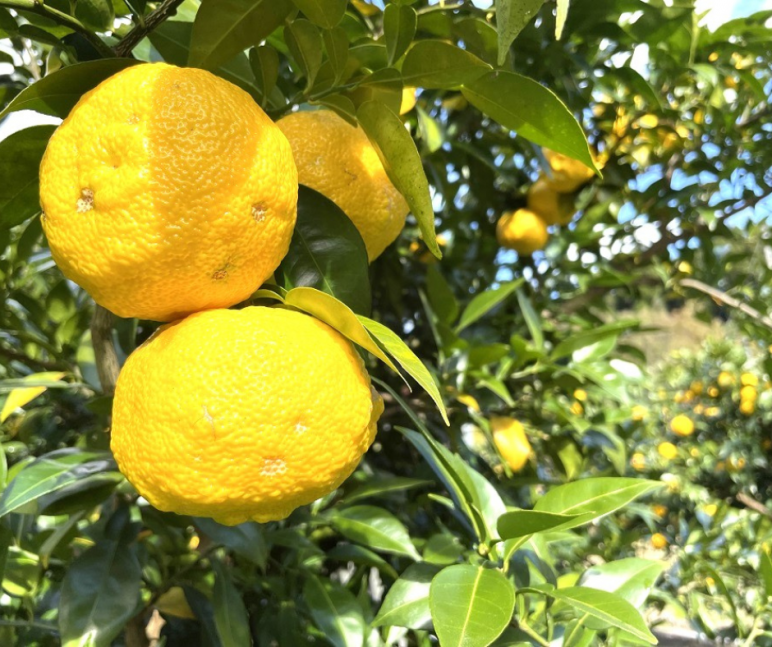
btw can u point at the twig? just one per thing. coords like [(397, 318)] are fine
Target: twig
[(749, 502), (104, 349), (728, 300), (165, 10), (61, 18)]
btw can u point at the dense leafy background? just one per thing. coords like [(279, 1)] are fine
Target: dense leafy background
[(433, 536)]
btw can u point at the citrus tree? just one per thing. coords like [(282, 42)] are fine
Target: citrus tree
[(451, 204)]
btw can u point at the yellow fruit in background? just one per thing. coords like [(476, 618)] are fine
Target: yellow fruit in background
[(659, 541), (577, 409), (696, 387), (469, 401), (682, 425), (698, 409), (710, 509), (748, 393), (581, 395), (694, 452), (167, 191), (639, 413), (408, 100), (667, 450), (511, 441), (713, 392), (552, 207), (523, 231), (725, 379), (712, 412), (747, 407), (638, 461), (242, 414), (659, 509), (749, 379), (568, 174), (648, 121), (337, 160)]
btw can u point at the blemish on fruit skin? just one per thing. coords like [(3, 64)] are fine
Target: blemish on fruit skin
[(221, 274), (133, 119), (86, 201), (273, 466), (300, 428), (258, 211), (208, 417)]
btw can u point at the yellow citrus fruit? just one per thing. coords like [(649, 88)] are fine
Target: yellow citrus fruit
[(242, 414), (749, 379), (713, 392), (577, 409), (725, 379), (523, 231), (554, 208), (659, 509), (568, 174), (698, 409), (712, 412), (638, 461), (710, 509), (682, 425), (408, 100), (511, 441), (648, 121), (470, 402), (747, 407), (696, 387), (337, 160), (667, 450), (581, 395), (639, 413), (659, 541), (167, 191), (748, 393)]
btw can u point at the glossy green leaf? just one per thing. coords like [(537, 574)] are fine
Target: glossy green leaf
[(305, 44), (511, 17), (53, 472), (586, 338), (20, 156), (531, 319), (631, 579), (230, 614), (485, 302), (407, 359), (380, 486), (336, 612), (246, 539), (403, 164), (399, 25), (57, 93), (531, 110), (327, 253), (202, 609), (376, 528), (100, 592), (328, 309), (442, 549), (521, 523), (407, 602), (325, 13), (441, 297), (336, 46), (97, 15), (609, 608), (765, 568), (436, 64), (470, 605), (264, 61), (224, 28), (599, 496)]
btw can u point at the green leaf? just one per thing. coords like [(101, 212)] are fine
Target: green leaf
[(441, 297), (246, 539), (407, 359), (435, 64), (485, 302), (522, 523), (328, 309), (223, 28), (336, 46), (336, 612), (407, 602), (765, 567), (201, 607), (230, 614), (376, 528), (470, 605), (100, 592), (531, 110), (443, 549), (560, 17), (57, 93), (20, 156), (305, 44), (631, 579), (403, 164), (511, 17), (98, 15), (587, 338), (611, 609), (399, 25), (531, 319), (327, 253), (380, 486), (54, 472), (599, 496), (325, 13), (264, 61), (360, 555)]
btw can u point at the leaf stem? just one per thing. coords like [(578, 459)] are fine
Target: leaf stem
[(527, 629), (579, 624)]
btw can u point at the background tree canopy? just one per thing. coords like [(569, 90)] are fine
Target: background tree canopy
[(646, 308)]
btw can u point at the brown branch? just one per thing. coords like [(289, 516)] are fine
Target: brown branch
[(105, 355), (749, 502), (164, 11), (728, 300)]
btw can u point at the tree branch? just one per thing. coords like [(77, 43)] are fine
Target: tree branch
[(104, 349), (728, 300), (164, 11), (61, 18), (749, 502)]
